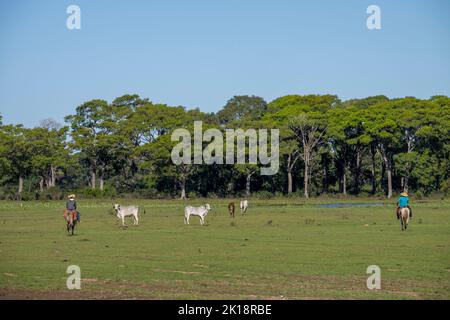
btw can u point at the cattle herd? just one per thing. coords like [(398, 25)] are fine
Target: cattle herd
[(201, 212)]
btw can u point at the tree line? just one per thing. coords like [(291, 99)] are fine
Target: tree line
[(371, 146)]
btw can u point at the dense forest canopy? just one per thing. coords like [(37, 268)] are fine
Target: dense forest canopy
[(372, 146)]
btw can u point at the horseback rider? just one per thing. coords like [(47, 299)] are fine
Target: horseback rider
[(71, 207), (403, 201)]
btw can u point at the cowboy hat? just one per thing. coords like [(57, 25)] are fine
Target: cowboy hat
[(404, 194), (71, 196)]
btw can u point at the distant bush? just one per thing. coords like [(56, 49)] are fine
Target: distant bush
[(193, 195), (27, 196), (8, 193), (445, 187), (212, 195), (264, 195), (148, 193), (53, 193), (419, 195), (296, 194), (364, 194), (89, 193)]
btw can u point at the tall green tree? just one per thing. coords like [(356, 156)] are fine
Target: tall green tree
[(242, 108), (50, 154), (91, 135), (17, 153)]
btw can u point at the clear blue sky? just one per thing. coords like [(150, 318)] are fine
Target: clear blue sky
[(200, 53)]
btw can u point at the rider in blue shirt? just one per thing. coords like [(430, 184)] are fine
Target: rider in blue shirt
[(403, 202)]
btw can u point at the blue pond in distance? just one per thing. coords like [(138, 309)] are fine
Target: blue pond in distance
[(342, 205)]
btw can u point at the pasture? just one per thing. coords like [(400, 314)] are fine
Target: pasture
[(282, 249)]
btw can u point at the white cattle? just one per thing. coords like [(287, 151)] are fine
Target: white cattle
[(244, 206), (196, 211), (123, 212)]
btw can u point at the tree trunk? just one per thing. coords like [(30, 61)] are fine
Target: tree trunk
[(358, 171), (344, 181), (20, 184), (53, 176), (306, 180), (382, 183), (230, 187), (101, 181), (93, 179), (324, 180), (388, 167), (48, 182), (247, 184), (41, 185), (183, 189), (289, 173), (289, 181), (373, 178), (389, 182)]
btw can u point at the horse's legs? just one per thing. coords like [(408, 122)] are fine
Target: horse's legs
[(136, 219)]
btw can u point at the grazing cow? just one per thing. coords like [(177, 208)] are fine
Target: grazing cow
[(196, 211), (231, 209), (123, 212), (244, 206)]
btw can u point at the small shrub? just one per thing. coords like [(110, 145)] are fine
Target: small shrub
[(193, 195), (53, 193), (419, 194), (297, 194), (89, 193), (445, 187), (212, 195), (27, 196), (264, 195)]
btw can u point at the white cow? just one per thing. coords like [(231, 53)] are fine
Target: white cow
[(244, 206), (196, 211), (123, 212)]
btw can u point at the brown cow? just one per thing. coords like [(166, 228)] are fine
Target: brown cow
[(231, 209)]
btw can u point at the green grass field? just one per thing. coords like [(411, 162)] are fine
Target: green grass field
[(283, 249)]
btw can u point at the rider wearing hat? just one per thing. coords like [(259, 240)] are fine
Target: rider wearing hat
[(403, 201), (71, 206)]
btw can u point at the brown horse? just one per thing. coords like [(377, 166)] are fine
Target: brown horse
[(231, 209), (404, 217), (71, 220)]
